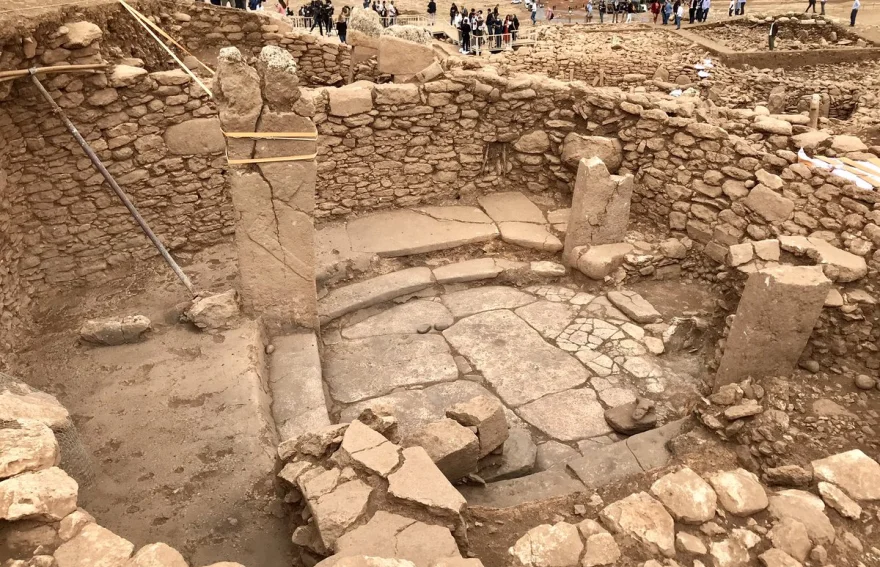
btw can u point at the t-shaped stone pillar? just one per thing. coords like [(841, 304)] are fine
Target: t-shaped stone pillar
[(274, 201), (599, 207), (775, 317)]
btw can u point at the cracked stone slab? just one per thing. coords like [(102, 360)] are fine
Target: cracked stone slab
[(536, 487), (513, 357), (511, 206), (366, 368), (634, 306), (391, 535), (405, 232), (853, 471), (338, 510), (419, 481), (370, 292), (604, 465), (456, 213), (401, 320), (548, 317), (468, 271), (415, 408), (529, 235), (298, 403), (479, 299), (567, 416)]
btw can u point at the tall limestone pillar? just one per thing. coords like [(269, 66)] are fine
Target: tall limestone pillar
[(274, 201), (774, 319), (599, 207)]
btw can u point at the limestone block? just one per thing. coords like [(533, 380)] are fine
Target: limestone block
[(115, 331), (454, 448), (688, 497), (47, 494), (536, 142), (775, 317), (157, 555), (198, 136), (487, 415), (126, 75), (770, 205), (576, 147), (419, 481), (402, 57), (643, 518), (391, 535), (739, 492), (26, 445), (599, 208), (596, 262), (81, 34), (350, 100), (853, 471), (215, 311), (558, 545), (94, 546)]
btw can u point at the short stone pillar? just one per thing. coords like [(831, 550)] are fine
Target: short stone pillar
[(599, 207), (775, 317), (274, 201)]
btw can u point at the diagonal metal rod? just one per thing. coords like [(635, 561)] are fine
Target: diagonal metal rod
[(112, 182)]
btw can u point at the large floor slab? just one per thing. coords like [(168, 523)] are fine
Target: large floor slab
[(298, 403), (415, 408), (511, 206), (365, 368), (405, 232), (513, 357), (478, 299), (370, 292), (401, 319), (567, 416)]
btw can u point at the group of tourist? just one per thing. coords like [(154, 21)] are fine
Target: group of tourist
[(387, 12), (320, 14), (499, 32)]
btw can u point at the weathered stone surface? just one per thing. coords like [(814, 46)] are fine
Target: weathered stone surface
[(649, 447), (838, 500), (316, 442), (548, 317), (687, 496), (468, 271), (517, 362), (838, 265), (689, 543), (567, 416), (405, 232), (374, 366), (807, 509), (511, 206), (349, 100), (298, 403), (853, 471), (599, 261), (419, 481), (47, 494), (778, 558), (634, 306), (791, 536), (529, 235), (601, 550), (620, 418), (486, 414), (536, 142), (199, 136), (643, 518), (369, 449), (157, 555), (739, 492), (729, 553), (604, 465), (370, 292), (558, 545), (94, 546), (214, 312), (775, 317), (517, 458), (453, 448), (770, 205), (81, 34), (599, 208), (788, 475), (353, 560), (115, 331), (516, 491), (391, 535), (554, 455), (336, 511), (576, 147), (401, 319), (402, 57), (488, 298), (26, 445)]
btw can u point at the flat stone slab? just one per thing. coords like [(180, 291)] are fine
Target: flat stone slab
[(514, 359), (404, 232), (456, 213), (649, 447), (298, 403), (333, 252), (401, 320), (374, 366), (415, 408), (532, 488), (419, 481), (634, 306), (479, 299), (373, 291), (838, 265), (548, 317), (511, 206), (853, 471), (468, 271), (570, 415), (605, 465), (391, 535), (529, 235)]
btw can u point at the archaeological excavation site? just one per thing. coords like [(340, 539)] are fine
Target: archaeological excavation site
[(605, 297)]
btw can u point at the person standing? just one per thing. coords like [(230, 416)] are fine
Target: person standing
[(692, 10), (771, 37), (630, 10), (615, 8), (679, 13), (465, 28), (534, 12), (655, 10), (811, 4), (342, 24), (667, 12), (432, 12), (602, 10), (453, 11), (515, 26), (706, 5), (589, 10), (855, 12), (741, 8), (822, 13), (731, 8), (328, 17), (317, 16)]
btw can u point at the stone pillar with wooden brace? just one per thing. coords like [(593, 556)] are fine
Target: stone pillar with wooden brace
[(271, 144)]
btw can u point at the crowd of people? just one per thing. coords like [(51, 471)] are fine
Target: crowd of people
[(478, 32)]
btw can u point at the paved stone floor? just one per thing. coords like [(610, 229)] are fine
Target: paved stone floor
[(556, 358)]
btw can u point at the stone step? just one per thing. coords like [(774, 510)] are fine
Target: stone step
[(373, 291), (516, 491), (298, 403)]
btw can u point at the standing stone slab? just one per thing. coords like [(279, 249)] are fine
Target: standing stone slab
[(567, 416), (514, 358), (599, 207), (370, 292), (366, 368), (775, 317), (298, 403)]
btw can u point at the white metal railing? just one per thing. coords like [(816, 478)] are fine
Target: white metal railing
[(400, 20)]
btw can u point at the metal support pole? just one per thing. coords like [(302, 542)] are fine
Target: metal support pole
[(112, 182)]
